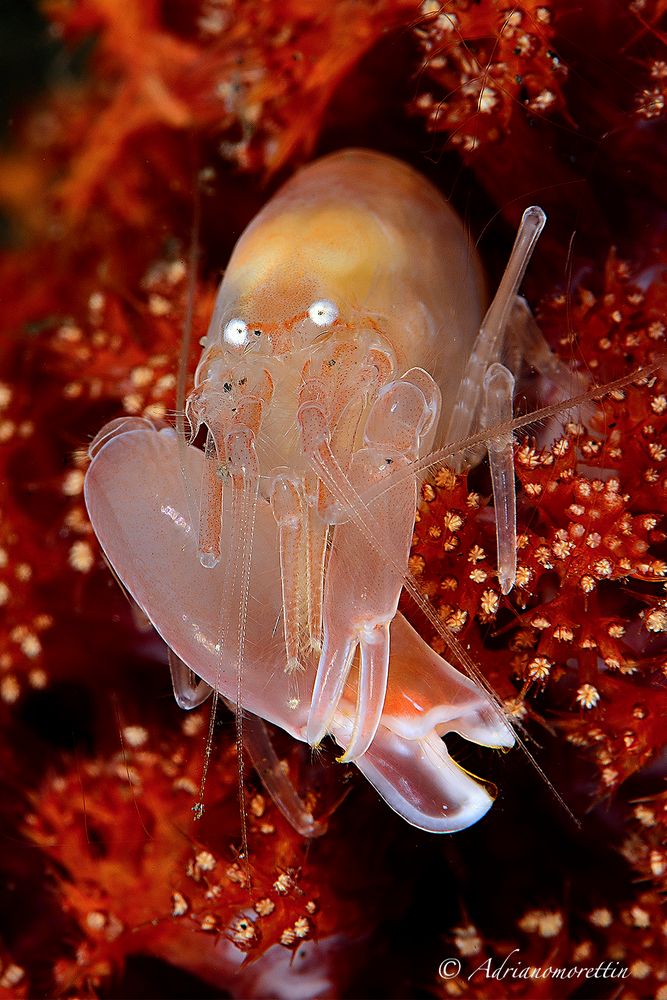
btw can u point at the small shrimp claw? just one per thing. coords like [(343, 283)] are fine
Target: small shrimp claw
[(363, 586)]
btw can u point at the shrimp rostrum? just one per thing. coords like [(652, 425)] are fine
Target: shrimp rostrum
[(270, 550)]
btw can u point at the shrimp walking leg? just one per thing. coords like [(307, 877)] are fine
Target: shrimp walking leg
[(288, 510), (491, 337), (276, 781), (506, 324), (532, 348), (190, 691), (498, 392)]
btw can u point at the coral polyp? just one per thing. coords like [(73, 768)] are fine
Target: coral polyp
[(146, 880)]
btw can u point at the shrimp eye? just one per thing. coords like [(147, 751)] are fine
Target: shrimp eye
[(236, 333), (257, 333), (227, 387), (323, 313)]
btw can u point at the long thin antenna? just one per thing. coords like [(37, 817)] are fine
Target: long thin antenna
[(198, 807), (181, 382), (188, 322)]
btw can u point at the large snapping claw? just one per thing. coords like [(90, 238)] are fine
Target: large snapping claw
[(138, 505)]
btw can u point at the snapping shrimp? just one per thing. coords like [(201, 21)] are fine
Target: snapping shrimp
[(270, 550)]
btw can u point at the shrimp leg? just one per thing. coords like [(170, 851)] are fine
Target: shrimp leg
[(189, 690), (287, 504), (525, 341), (490, 340), (498, 392), (506, 315)]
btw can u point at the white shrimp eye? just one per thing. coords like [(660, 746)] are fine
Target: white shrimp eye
[(235, 333), (323, 313)]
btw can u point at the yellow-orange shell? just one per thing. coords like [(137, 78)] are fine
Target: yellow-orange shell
[(370, 234)]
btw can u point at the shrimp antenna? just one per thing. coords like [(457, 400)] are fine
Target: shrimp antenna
[(244, 504), (181, 382), (188, 321)]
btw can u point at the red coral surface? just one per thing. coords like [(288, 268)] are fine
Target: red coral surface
[(111, 886)]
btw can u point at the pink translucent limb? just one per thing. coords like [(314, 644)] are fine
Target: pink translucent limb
[(336, 658), (341, 635), (221, 414), (344, 431), (288, 509), (276, 780), (244, 473), (316, 556), (362, 587), (489, 339), (532, 347), (498, 395), (210, 509), (190, 691), (419, 780), (373, 677)]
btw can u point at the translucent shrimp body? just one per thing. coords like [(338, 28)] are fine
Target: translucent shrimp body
[(343, 331)]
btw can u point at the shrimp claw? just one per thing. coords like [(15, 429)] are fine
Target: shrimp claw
[(363, 586)]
